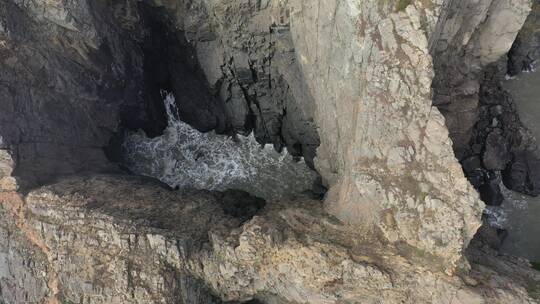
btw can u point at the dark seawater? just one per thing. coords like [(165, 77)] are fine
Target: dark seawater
[(521, 213)]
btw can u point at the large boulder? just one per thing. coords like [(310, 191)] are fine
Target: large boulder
[(523, 174)]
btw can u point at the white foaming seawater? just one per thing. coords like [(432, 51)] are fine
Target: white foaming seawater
[(186, 158), (498, 216)]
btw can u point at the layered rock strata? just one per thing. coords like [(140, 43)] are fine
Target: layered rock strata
[(392, 157), (95, 240)]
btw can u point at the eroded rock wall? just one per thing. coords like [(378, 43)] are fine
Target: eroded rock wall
[(110, 244), (66, 71), (74, 74), (469, 37), (469, 49), (248, 58)]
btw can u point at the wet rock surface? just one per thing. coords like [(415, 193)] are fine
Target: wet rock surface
[(523, 175), (245, 63)]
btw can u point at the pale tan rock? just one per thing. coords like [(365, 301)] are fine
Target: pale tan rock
[(112, 244), (379, 130), (6, 163), (8, 183)]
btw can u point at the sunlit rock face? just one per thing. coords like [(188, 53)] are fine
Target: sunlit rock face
[(388, 157), (184, 157)]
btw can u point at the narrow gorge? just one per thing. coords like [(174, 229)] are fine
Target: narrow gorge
[(269, 151)]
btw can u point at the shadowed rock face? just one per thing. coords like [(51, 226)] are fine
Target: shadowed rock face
[(399, 214), (469, 37), (470, 63), (68, 75), (525, 52), (80, 72)]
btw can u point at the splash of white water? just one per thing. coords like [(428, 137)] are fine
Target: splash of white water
[(186, 158)]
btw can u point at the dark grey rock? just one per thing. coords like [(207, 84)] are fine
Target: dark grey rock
[(64, 91), (526, 49), (490, 191), (491, 236), (523, 174), (496, 155)]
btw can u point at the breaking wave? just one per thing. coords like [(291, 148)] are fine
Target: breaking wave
[(186, 158)]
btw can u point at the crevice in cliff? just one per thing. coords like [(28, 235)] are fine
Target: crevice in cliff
[(493, 146), (489, 139), (171, 64)]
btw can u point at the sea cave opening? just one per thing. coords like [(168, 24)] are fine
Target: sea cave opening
[(216, 136)]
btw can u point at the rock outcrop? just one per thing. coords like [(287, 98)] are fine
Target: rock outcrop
[(470, 63), (94, 240), (67, 70), (388, 158), (357, 87)]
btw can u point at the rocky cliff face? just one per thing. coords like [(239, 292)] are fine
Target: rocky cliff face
[(347, 84), (106, 243)]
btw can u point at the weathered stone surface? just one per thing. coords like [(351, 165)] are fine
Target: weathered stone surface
[(470, 38), (248, 59), (112, 244), (80, 71), (385, 150), (470, 63), (499, 133), (65, 72), (497, 153), (387, 157)]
